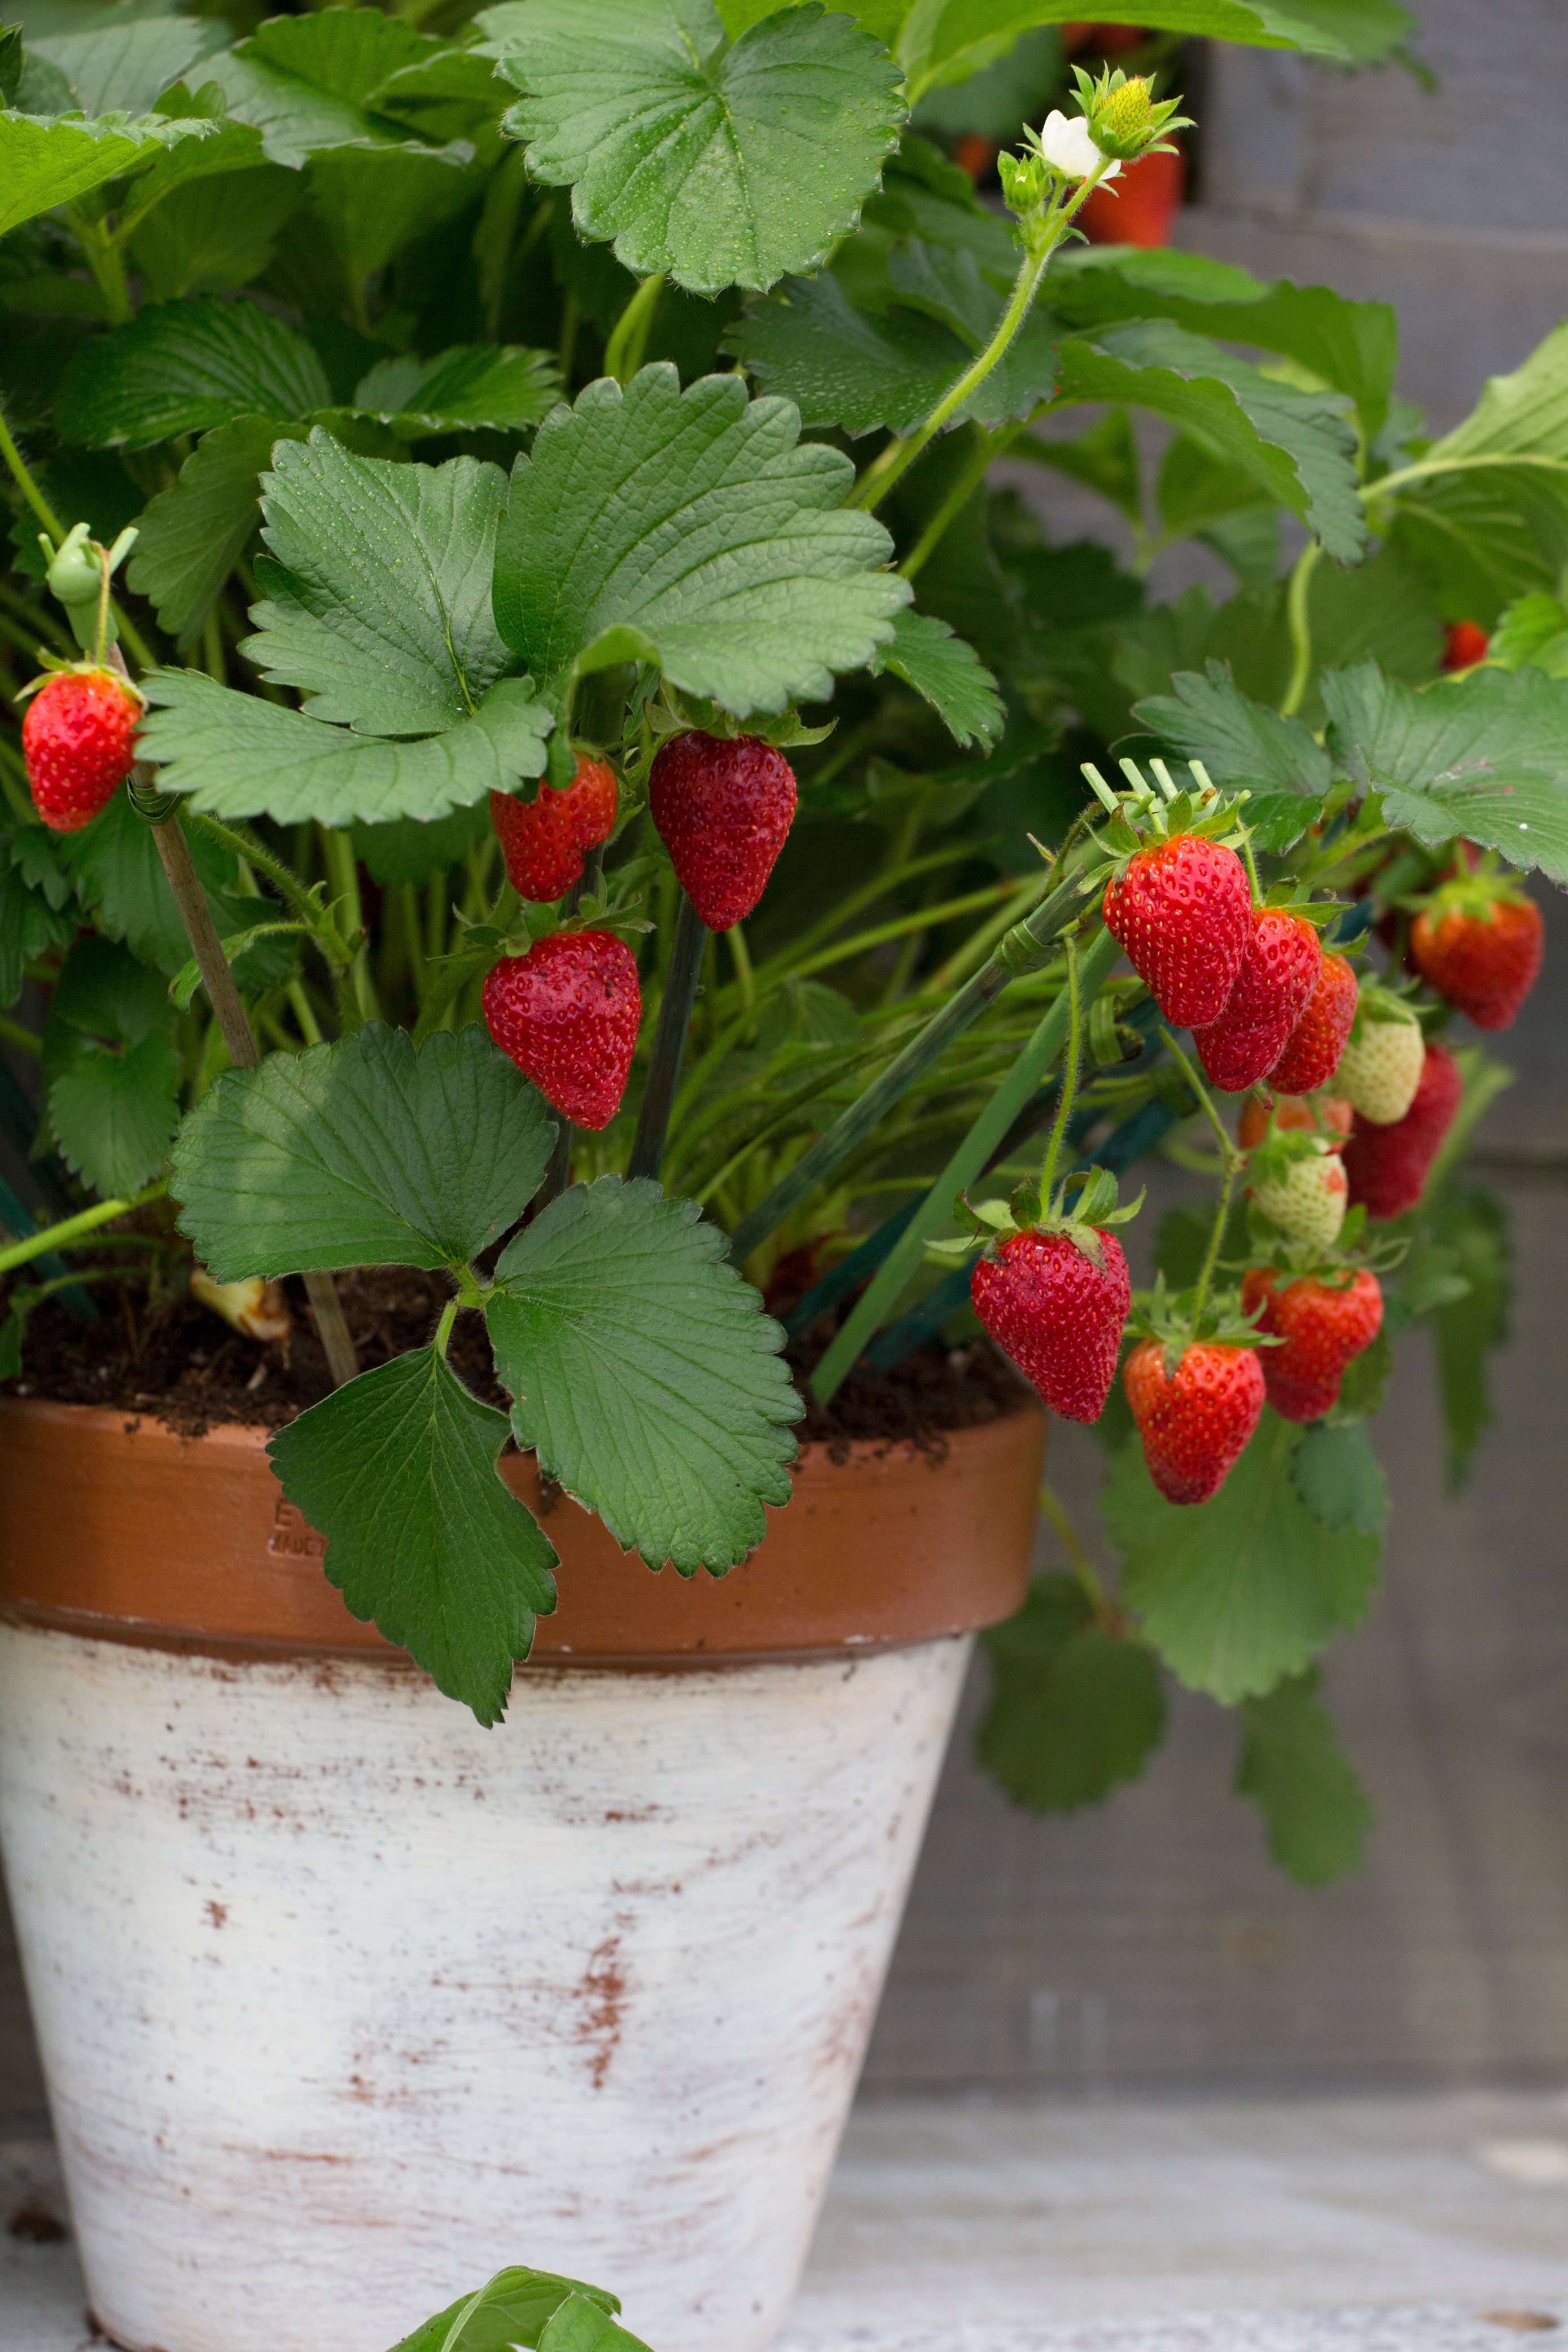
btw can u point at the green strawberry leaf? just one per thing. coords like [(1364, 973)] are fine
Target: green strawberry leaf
[(208, 232), (373, 1151), (1236, 1592), (46, 163), (1239, 741), (693, 529), (1299, 444), (946, 673), (113, 1113), (309, 83), (119, 876), (179, 367), (1075, 1709), (722, 163), (29, 923), (1524, 415), (504, 388), (192, 534), (644, 1373), (512, 2308), (381, 614), (1353, 346), (1485, 756), (583, 2325), (407, 850), (126, 61), (1338, 1476), (864, 369), (372, 200), (235, 755), (398, 1470), (1314, 1808)]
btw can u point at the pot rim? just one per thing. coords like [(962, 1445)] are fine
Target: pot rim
[(884, 1543)]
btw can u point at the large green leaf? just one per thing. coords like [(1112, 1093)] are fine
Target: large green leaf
[(693, 529), (1075, 1709), (513, 2308), (1308, 430), (938, 41), (1339, 1478), (503, 386), (382, 613), (373, 201), (398, 1470), (866, 369), (1484, 756), (369, 1152), (1521, 415), (236, 755), (309, 83), (723, 163), (31, 919), (1353, 346), (47, 161), (192, 534), (1486, 536), (945, 672), (180, 367), (644, 1373), (1240, 1592), (211, 235), (1238, 741), (1315, 1809), (129, 64)]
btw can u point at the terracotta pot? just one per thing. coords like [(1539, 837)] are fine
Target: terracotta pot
[(344, 2003)]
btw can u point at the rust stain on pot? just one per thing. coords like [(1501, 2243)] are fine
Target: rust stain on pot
[(218, 1914), (603, 1989)]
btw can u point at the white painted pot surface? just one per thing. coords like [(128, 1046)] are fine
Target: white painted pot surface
[(344, 2003)]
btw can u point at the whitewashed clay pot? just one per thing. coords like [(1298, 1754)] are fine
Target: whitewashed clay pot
[(344, 2003)]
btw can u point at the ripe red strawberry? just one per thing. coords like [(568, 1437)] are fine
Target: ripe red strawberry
[(1194, 1425), (722, 810), (1138, 206), (567, 1012), (1387, 1165), (78, 741), (1482, 954), (1333, 1121), (1278, 973), (1312, 1051), (1183, 911), (1467, 646), (1058, 1315), (1324, 1327), (544, 840)]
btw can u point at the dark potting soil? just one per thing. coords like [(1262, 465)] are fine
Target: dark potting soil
[(182, 1364)]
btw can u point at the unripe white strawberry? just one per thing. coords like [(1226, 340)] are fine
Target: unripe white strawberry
[(1380, 1067), (1306, 1199)]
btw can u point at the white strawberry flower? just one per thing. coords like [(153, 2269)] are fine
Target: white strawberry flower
[(1068, 148)]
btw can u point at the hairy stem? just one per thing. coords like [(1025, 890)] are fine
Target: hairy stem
[(1299, 615), (628, 336), (992, 447), (1069, 1087), (71, 1229), (675, 1012)]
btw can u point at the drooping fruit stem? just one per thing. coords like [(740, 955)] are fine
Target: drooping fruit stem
[(1068, 1086), (628, 336), (1233, 1162), (675, 1012)]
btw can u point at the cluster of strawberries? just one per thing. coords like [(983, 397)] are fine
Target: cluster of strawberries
[(1265, 1006), (569, 1009)]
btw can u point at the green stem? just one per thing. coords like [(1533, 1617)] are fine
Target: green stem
[(87, 1221), (992, 447), (628, 336), (288, 884), (1426, 466), (961, 1170), (300, 1004), (746, 978), (901, 453), (103, 258), (1020, 950), (13, 1034), (1299, 615), (356, 999), (1233, 1162), (1068, 1086), (28, 488), (571, 318), (675, 1011), (213, 659), (1073, 1545), (443, 1328)]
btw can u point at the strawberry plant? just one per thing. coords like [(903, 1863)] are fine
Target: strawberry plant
[(620, 819)]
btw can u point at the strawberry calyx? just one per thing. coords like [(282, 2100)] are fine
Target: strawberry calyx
[(1283, 1148), (1477, 892), (1336, 1267), (1143, 814), (1376, 1002), (991, 1223), (1180, 1320), (56, 666)]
